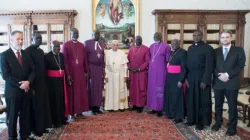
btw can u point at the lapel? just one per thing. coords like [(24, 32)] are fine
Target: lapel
[(15, 60), (23, 57)]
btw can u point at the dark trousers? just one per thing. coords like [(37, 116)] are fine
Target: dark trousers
[(231, 96), (18, 107)]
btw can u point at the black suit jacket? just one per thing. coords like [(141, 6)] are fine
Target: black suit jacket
[(12, 72), (233, 65)]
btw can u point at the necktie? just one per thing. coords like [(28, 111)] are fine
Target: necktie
[(225, 53), (19, 58)]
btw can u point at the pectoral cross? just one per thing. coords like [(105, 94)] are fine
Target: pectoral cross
[(98, 55), (60, 71), (76, 61)]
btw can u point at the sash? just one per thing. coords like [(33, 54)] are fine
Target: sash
[(174, 69), (58, 74), (177, 69)]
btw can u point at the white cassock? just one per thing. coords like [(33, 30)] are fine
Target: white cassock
[(116, 96)]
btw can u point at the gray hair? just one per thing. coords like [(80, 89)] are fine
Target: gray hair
[(115, 42), (13, 33)]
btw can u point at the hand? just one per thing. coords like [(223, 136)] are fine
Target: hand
[(187, 84), (179, 85), (202, 85), (106, 79), (26, 90), (223, 77), (69, 80), (24, 85), (125, 79)]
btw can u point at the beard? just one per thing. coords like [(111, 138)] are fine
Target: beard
[(157, 41), (17, 47)]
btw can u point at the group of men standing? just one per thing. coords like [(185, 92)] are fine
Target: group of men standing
[(43, 90)]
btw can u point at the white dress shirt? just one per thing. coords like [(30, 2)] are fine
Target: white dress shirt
[(15, 51)]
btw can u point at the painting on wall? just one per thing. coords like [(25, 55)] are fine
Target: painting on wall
[(116, 20)]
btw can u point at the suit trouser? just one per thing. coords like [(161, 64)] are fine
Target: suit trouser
[(231, 96), (18, 107)]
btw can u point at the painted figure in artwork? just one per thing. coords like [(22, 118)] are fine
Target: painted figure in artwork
[(116, 11)]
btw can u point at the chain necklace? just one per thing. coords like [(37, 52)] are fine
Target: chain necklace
[(58, 63), (171, 57), (154, 55), (137, 51), (75, 53)]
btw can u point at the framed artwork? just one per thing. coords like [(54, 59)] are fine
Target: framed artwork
[(116, 20)]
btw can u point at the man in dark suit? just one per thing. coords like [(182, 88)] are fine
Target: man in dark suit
[(229, 62), (18, 72)]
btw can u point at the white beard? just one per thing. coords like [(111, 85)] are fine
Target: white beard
[(17, 47), (157, 42)]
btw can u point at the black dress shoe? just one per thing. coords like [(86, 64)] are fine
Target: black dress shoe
[(38, 134), (121, 110), (230, 133), (99, 112), (94, 113), (176, 121), (170, 118), (152, 112), (133, 108), (199, 127), (216, 127), (139, 110), (46, 131), (189, 124), (66, 123), (111, 110), (159, 114)]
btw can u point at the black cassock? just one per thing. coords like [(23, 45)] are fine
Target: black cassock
[(200, 58), (40, 107), (174, 96), (56, 88)]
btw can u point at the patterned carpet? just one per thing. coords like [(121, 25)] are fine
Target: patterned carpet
[(131, 125)]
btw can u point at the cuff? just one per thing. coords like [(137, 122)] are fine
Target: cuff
[(227, 75)]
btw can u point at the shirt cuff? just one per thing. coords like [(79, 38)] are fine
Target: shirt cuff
[(227, 75)]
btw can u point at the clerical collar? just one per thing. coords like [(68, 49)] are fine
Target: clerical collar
[(198, 43), (137, 46), (74, 41), (176, 49)]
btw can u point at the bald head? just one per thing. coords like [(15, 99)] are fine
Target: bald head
[(96, 35), (138, 41), (175, 44), (115, 45), (36, 39), (74, 34), (157, 37)]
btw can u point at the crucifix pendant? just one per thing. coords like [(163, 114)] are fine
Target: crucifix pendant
[(167, 64), (98, 55), (60, 71), (76, 61)]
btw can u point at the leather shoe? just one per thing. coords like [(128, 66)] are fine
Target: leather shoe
[(199, 127), (152, 112), (229, 133), (216, 127), (189, 124), (176, 121), (159, 114), (99, 112)]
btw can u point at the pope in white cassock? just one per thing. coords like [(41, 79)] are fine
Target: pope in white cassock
[(116, 69)]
